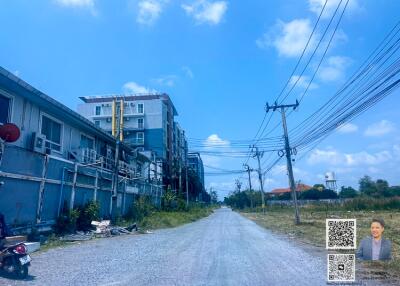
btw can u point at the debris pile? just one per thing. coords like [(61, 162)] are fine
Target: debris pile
[(103, 229)]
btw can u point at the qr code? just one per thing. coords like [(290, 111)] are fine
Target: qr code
[(340, 234), (341, 267)]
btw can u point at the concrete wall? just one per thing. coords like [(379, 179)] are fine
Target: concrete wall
[(21, 172)]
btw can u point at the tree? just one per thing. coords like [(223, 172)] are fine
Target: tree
[(315, 194), (214, 196), (347, 192), (319, 187), (393, 191), (368, 187), (382, 187)]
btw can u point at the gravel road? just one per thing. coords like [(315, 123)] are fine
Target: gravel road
[(222, 249)]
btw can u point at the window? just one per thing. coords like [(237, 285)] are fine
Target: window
[(87, 142), (97, 123), (5, 106), (52, 130), (140, 123), (140, 137), (140, 108), (98, 110)]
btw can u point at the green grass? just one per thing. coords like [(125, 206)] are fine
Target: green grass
[(166, 219), (312, 227)]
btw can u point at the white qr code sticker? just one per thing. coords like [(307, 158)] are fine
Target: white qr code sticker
[(340, 234), (341, 268)]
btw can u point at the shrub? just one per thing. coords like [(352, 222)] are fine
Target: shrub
[(66, 222), (169, 200), (142, 207), (87, 214), (368, 203)]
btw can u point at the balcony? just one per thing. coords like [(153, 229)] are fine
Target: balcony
[(107, 113), (136, 141)]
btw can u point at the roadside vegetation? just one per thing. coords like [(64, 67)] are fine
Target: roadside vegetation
[(173, 212), (373, 199), (143, 213)]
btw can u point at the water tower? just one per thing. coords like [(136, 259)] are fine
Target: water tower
[(330, 181)]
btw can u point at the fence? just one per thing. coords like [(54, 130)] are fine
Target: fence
[(305, 202), (36, 187)]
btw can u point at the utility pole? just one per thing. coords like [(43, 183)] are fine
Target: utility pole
[(259, 154), (186, 173), (249, 170), (288, 152), (117, 132), (238, 184)]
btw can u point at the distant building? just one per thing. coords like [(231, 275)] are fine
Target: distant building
[(148, 125), (299, 188), (196, 164)]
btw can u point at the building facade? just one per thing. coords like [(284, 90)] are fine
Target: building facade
[(62, 159), (147, 126), (196, 164)]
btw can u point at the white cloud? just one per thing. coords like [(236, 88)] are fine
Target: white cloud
[(76, 3), (396, 151), (364, 158), (79, 4), (149, 11), (334, 68), (288, 38), (336, 158), (188, 72), (302, 82), (315, 6), (214, 140), (214, 143), (348, 128), (204, 11), (379, 129), (167, 80), (134, 88), (279, 170)]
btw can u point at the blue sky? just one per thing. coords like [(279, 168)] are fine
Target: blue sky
[(220, 61)]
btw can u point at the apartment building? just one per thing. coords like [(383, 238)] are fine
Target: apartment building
[(148, 125), (195, 163)]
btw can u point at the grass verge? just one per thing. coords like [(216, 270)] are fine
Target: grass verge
[(166, 219)]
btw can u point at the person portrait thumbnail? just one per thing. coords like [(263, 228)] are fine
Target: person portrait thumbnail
[(375, 246)]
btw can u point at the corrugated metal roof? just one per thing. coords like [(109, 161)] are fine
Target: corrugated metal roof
[(51, 104)]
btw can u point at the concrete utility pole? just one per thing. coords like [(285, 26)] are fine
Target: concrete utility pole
[(259, 154), (186, 173), (249, 170), (238, 184), (288, 152), (117, 132)]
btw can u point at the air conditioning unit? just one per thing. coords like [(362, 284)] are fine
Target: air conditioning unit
[(38, 143), (108, 119), (127, 118)]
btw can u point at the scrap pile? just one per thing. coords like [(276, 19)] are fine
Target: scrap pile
[(103, 229)]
